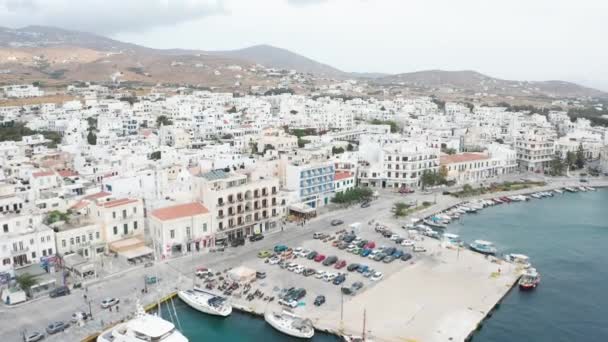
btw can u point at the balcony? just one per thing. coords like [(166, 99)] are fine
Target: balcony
[(219, 217), (220, 204)]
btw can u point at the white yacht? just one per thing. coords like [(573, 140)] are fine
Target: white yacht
[(143, 328), (519, 259), (290, 324), (206, 302)]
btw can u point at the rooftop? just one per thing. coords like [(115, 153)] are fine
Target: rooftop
[(179, 211), (43, 174), (215, 174), (462, 157), (342, 175), (118, 202)]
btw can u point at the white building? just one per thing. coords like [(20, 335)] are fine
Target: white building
[(22, 91), (312, 181)]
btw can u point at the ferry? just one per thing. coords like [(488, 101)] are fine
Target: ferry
[(144, 327), (483, 247), (290, 324), (206, 302), (518, 259), (529, 280)]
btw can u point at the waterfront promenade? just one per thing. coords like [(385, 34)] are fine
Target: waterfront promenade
[(443, 295)]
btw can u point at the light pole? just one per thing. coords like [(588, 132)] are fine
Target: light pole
[(90, 311)]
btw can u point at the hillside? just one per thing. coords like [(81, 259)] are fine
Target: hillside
[(271, 56), (472, 82)]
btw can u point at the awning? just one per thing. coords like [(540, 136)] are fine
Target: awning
[(136, 252), (301, 208)]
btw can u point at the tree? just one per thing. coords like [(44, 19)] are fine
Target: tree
[(393, 124), (449, 151), (232, 110), (428, 178), (571, 159), (467, 188), (227, 136), (400, 209), (254, 147), (293, 112), (580, 157), (163, 120), (557, 165), (155, 155), (443, 172), (353, 195), (268, 147), (92, 138), (337, 150), (26, 281), (350, 147), (302, 142)]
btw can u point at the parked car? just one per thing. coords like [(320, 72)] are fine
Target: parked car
[(419, 249), (256, 237), (329, 277), (237, 242), (56, 327), (308, 272), (387, 233), (339, 279), (320, 274), (349, 238), (365, 205), (377, 276), (108, 302), (379, 229), (336, 222), (318, 235), (352, 267), (319, 258), (406, 257), (274, 260), (394, 237), (362, 268), (340, 264), (388, 258), (407, 243), (320, 300), (389, 251), (362, 243), (289, 303), (330, 260), (379, 256), (78, 316), (280, 248), (346, 291), (299, 269), (311, 255), (59, 291), (34, 337), (260, 275), (357, 286), (264, 253), (291, 266), (399, 240), (365, 252)]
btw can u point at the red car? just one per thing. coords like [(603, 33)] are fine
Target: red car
[(340, 264), (406, 191), (370, 245), (319, 258)]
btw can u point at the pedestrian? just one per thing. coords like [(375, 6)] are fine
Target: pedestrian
[(117, 308), (110, 309), (85, 297)]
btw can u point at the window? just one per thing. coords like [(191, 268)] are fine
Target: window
[(31, 241), (115, 230), (97, 235), (113, 214), (134, 224), (48, 238), (172, 233), (50, 251), (204, 227), (134, 210), (90, 236), (125, 229), (78, 239), (188, 232), (124, 213), (6, 261), (83, 238), (44, 252)]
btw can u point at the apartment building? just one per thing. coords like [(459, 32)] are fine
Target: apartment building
[(79, 235), (534, 152), (180, 229), (239, 206), (343, 181), (470, 167), (118, 219), (22, 91), (312, 181), (24, 241)]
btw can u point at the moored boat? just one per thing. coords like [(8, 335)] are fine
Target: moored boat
[(558, 191), (206, 302), (518, 259), (435, 224), (483, 247), (529, 280), (290, 324)]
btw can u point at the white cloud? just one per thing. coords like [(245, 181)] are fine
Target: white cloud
[(105, 16)]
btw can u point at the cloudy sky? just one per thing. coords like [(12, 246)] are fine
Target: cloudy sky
[(514, 39)]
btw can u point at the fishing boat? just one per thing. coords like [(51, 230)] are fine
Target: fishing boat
[(206, 302), (483, 247), (558, 191), (529, 280), (518, 259), (290, 324), (434, 224), (144, 327)]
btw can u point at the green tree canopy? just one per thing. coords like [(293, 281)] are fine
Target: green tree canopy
[(26, 281), (164, 120)]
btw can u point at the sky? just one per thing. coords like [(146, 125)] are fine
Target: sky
[(510, 39)]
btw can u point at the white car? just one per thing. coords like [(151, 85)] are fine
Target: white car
[(377, 276), (291, 266), (108, 302), (394, 237), (304, 253), (320, 274), (299, 269), (78, 316), (407, 243), (329, 277), (373, 253), (357, 240), (419, 249), (274, 260), (298, 250)]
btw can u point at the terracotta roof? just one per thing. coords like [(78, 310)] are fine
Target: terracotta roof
[(179, 211), (43, 174), (67, 173), (80, 204), (342, 175), (118, 202), (97, 195), (462, 157)]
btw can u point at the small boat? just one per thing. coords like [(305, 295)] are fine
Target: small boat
[(518, 259), (569, 189), (206, 302), (497, 200), (519, 198), (452, 239), (483, 247), (506, 199), (144, 327), (529, 280), (290, 324), (590, 188), (558, 191), (582, 188), (434, 224), (547, 193), (537, 195)]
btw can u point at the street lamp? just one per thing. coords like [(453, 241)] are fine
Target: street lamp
[(90, 311)]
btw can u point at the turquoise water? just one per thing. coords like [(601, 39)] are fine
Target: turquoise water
[(566, 238), (238, 327)]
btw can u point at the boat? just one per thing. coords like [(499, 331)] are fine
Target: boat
[(452, 239), (519, 198), (506, 199), (206, 302), (569, 189), (483, 247), (537, 195), (582, 188), (558, 191), (529, 280), (290, 324), (590, 188), (497, 200), (362, 338), (434, 224), (518, 259), (144, 327)]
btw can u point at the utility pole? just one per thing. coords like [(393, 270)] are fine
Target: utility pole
[(341, 311), (90, 311)]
